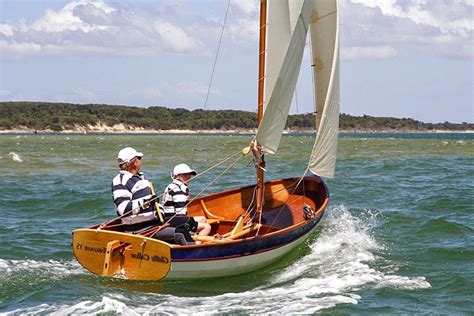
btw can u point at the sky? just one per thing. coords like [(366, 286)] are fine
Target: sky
[(399, 58)]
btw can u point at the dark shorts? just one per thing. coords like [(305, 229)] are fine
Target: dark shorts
[(182, 221)]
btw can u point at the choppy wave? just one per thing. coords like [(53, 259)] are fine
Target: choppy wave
[(359, 262), (342, 260), (15, 157), (55, 267)]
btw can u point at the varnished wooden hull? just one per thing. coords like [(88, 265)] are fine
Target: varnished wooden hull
[(284, 228)]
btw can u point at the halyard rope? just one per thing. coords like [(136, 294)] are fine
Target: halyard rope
[(217, 55)]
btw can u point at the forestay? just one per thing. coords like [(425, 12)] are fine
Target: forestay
[(324, 30)]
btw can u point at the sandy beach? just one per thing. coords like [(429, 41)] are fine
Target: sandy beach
[(103, 129)]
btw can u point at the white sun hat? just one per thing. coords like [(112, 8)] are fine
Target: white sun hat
[(183, 168), (128, 153)]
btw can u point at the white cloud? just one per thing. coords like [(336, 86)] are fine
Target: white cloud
[(244, 31), (94, 27), (175, 37), (14, 48), (6, 29), (441, 27), (445, 15), (246, 6), (369, 28), (68, 19), (374, 52)]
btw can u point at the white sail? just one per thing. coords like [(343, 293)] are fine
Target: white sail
[(281, 92), (325, 53), (282, 16), (278, 36)]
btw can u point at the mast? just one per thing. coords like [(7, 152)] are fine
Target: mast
[(258, 151), (261, 58)]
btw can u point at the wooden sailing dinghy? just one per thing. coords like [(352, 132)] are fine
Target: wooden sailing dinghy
[(254, 225)]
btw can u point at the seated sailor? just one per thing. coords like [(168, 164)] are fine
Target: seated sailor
[(176, 199), (135, 202)]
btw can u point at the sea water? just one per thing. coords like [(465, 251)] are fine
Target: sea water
[(397, 237)]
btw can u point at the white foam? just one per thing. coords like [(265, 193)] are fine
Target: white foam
[(55, 267), (107, 305), (15, 156)]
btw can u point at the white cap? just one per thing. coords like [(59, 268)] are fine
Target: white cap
[(183, 168), (127, 154)]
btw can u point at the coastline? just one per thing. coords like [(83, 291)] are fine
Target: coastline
[(125, 130)]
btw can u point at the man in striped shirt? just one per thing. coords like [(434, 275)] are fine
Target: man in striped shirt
[(176, 198), (132, 192)]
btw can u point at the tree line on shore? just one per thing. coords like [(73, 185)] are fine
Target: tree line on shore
[(61, 116)]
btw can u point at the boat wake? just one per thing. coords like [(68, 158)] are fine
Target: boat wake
[(343, 260)]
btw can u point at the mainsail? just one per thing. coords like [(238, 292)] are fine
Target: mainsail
[(282, 87), (282, 17), (325, 53), (288, 23)]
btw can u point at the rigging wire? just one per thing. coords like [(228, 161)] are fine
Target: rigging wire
[(217, 55), (216, 178), (214, 166), (207, 186)]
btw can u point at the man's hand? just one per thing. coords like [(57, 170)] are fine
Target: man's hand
[(152, 199)]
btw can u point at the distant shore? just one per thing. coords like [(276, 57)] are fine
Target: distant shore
[(68, 118), (124, 130)]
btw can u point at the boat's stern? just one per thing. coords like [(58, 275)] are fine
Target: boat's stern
[(121, 255)]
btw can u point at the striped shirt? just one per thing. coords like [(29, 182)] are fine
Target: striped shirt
[(130, 191), (175, 198)]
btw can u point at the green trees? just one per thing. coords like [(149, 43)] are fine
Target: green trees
[(60, 116)]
